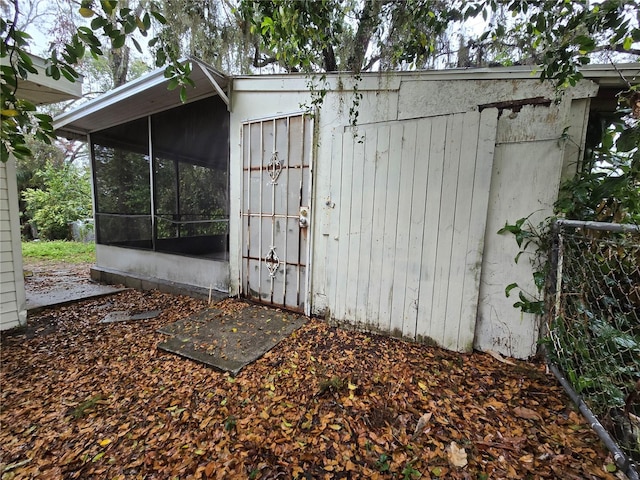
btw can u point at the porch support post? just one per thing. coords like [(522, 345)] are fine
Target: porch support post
[(152, 182)]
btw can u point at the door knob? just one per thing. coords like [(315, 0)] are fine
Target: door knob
[(304, 217)]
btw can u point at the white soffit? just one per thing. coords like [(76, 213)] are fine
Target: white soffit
[(41, 89), (141, 97)]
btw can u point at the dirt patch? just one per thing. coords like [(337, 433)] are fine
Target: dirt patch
[(43, 275)]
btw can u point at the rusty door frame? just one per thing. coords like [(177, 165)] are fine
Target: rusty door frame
[(306, 284)]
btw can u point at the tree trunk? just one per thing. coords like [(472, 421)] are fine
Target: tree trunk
[(329, 55), (119, 63), (369, 20)]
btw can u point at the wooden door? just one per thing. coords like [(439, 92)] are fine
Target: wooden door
[(408, 226)]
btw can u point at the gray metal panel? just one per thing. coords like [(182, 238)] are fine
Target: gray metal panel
[(276, 182)]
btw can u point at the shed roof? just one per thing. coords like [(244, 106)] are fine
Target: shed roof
[(141, 97), (148, 94)]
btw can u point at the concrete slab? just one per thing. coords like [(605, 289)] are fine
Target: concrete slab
[(50, 284), (67, 293), (126, 316), (232, 338)]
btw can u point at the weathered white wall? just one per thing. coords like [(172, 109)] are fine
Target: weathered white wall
[(13, 309), (401, 241), (530, 157), (199, 272)]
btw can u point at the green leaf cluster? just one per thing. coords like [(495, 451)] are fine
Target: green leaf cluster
[(65, 196), (563, 34), (19, 117), (607, 187)]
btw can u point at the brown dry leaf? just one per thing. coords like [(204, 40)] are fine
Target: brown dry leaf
[(527, 413), (422, 423), (492, 402)]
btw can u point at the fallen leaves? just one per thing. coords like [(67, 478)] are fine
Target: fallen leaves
[(87, 400)]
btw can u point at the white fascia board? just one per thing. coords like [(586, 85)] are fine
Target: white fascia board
[(209, 74), (390, 80), (613, 75), (205, 66)]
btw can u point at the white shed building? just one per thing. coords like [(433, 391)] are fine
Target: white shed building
[(388, 226), (38, 89)]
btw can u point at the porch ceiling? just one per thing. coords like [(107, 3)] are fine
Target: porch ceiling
[(144, 96)]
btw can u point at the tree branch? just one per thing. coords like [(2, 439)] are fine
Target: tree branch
[(617, 49), (371, 63), (259, 61)]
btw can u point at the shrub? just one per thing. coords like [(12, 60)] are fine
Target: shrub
[(65, 196)]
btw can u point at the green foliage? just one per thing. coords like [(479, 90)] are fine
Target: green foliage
[(383, 464), (330, 35), (87, 406), (19, 117), (607, 189), (526, 235), (27, 168), (60, 250), (302, 35), (409, 473), (65, 196), (564, 34), (348, 35), (230, 423), (334, 384), (595, 355)]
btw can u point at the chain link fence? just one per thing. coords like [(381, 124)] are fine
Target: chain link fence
[(594, 328)]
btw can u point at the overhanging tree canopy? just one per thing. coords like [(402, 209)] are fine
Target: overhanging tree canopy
[(327, 35)]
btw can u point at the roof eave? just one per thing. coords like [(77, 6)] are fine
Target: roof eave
[(67, 123)]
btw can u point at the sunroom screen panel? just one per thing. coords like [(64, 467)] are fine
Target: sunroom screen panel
[(122, 185)]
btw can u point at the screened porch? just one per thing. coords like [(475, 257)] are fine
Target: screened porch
[(161, 181)]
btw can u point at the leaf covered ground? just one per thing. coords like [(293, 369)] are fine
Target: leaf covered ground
[(83, 400)]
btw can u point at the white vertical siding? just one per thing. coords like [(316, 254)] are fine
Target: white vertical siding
[(13, 310), (409, 226)]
